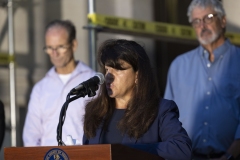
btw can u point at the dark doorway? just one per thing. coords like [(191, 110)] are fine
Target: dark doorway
[(174, 12)]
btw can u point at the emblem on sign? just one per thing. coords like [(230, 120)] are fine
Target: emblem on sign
[(56, 154)]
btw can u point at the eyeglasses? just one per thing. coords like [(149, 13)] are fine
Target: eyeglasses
[(58, 49), (206, 19)]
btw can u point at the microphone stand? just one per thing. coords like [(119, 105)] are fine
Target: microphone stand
[(88, 90)]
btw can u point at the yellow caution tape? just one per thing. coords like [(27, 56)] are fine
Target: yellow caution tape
[(154, 28), (5, 58)]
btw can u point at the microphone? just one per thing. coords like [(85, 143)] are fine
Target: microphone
[(88, 86)]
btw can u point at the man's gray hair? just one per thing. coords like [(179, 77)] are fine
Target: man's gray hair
[(215, 4)]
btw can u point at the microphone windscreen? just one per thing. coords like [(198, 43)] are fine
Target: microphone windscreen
[(101, 77)]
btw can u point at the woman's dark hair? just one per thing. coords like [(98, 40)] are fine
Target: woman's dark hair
[(66, 24), (143, 106)]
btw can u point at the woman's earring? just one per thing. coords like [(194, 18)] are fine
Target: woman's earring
[(136, 81)]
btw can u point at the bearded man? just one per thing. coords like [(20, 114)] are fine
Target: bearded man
[(205, 84)]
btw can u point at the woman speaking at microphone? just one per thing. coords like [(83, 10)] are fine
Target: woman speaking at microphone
[(129, 109)]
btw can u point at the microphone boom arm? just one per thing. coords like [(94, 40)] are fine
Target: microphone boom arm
[(89, 90)]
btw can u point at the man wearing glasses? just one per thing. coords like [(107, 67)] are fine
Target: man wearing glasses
[(205, 84), (49, 94)]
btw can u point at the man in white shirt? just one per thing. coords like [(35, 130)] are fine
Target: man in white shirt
[(49, 94)]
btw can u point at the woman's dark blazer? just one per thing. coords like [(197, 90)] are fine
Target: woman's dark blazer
[(165, 137)]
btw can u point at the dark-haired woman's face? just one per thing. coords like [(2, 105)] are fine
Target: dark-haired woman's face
[(120, 83)]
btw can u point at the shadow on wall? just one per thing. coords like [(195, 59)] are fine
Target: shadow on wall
[(22, 113)]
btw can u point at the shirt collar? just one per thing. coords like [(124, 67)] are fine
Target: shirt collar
[(218, 52), (79, 68)]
